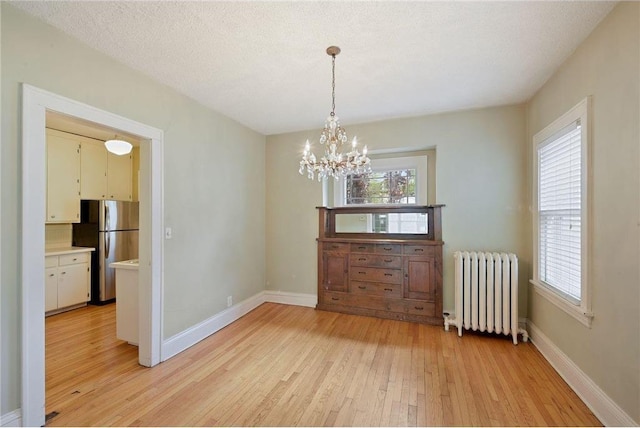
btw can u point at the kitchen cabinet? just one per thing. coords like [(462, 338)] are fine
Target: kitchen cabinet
[(119, 179), (63, 178), (51, 288), (103, 174), (93, 169), (73, 285), (67, 279)]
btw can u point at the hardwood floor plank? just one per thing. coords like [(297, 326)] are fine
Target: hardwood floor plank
[(295, 366)]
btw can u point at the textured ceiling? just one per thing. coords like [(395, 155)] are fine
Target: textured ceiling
[(264, 63)]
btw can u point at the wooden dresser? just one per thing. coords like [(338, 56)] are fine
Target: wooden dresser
[(387, 275)]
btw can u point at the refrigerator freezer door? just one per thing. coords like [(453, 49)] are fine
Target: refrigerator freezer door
[(118, 215), (110, 215), (115, 246)]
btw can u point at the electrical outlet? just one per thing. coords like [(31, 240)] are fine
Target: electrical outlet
[(229, 301)]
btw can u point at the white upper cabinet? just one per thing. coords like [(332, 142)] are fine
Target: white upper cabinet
[(119, 177), (81, 168), (63, 178), (93, 169), (103, 174)]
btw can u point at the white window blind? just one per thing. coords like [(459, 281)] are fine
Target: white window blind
[(559, 211)]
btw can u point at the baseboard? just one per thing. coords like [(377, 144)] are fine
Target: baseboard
[(605, 409), (288, 298), (11, 419), (189, 337)]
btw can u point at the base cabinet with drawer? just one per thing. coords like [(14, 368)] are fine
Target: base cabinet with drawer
[(389, 277), (67, 281)]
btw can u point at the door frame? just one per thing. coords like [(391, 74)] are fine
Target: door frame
[(35, 103)]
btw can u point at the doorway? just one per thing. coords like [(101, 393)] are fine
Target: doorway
[(36, 102)]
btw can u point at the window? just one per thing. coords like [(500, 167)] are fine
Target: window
[(381, 187), (401, 180), (560, 266)]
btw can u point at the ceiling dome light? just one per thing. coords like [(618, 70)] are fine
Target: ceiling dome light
[(118, 147)]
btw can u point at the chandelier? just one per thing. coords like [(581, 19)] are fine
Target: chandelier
[(334, 163)]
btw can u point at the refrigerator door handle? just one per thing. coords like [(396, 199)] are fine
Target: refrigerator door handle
[(107, 218), (107, 245)]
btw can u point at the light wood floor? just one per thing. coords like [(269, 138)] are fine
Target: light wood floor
[(287, 365)]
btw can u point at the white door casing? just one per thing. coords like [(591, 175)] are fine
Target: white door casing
[(35, 103)]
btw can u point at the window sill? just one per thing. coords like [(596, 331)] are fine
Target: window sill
[(577, 312)]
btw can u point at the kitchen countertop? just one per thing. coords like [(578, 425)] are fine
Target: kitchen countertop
[(125, 264), (67, 250)]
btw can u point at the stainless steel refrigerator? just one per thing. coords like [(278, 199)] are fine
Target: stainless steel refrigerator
[(111, 227)]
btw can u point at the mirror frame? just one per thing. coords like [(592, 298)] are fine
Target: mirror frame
[(327, 219)]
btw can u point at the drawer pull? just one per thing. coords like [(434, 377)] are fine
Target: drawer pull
[(335, 246), (388, 261), (63, 273), (362, 259), (51, 274), (362, 287), (418, 250), (75, 258), (388, 274), (388, 248), (419, 307), (335, 298), (362, 248), (388, 289), (362, 273)]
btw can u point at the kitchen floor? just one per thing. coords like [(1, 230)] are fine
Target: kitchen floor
[(82, 353)]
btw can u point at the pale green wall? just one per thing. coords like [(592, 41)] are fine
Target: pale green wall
[(483, 171), (480, 177), (607, 67), (217, 218)]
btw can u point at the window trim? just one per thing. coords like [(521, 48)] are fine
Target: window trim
[(582, 311), (419, 163)]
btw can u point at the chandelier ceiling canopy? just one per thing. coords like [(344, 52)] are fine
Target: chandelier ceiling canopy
[(334, 163)]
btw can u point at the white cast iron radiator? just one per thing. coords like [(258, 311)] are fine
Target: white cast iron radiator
[(486, 294)]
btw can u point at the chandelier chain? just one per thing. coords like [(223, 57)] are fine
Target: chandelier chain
[(333, 85)]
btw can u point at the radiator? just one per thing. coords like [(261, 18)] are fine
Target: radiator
[(486, 294)]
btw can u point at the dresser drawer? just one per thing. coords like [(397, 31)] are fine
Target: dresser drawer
[(342, 247), (356, 300), (330, 298), (71, 259), (363, 248), (376, 260), (420, 250), (414, 307), (388, 248), (376, 289), (371, 274)]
